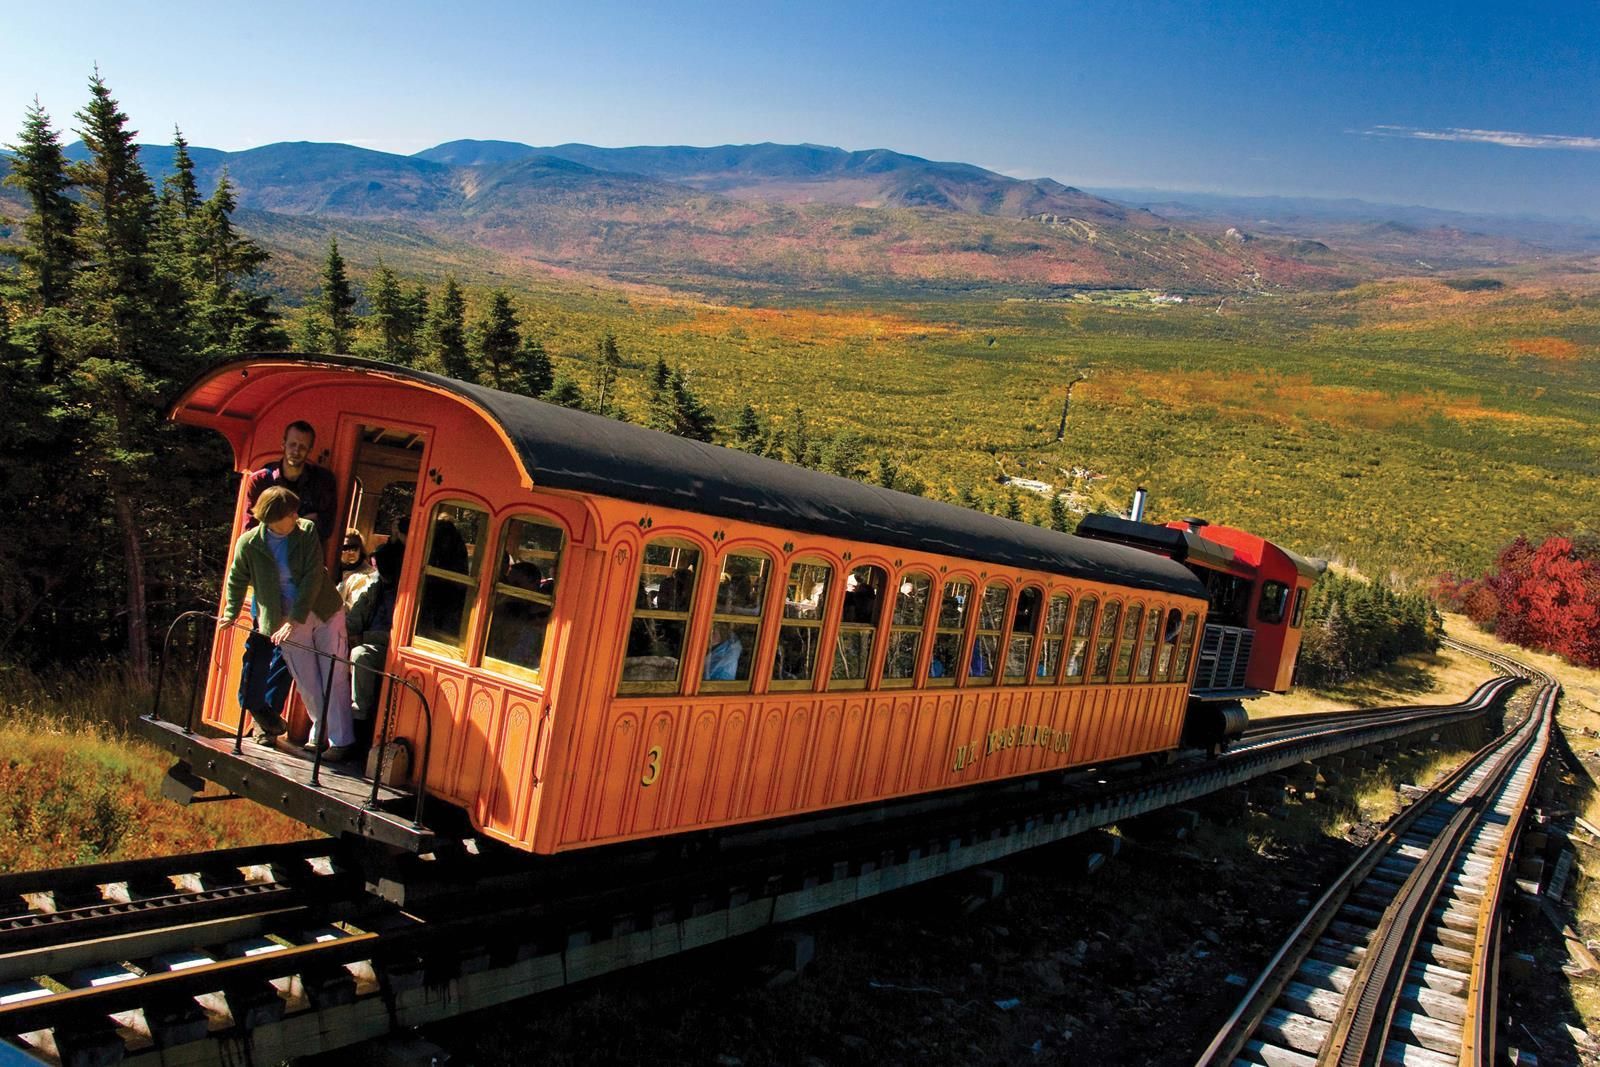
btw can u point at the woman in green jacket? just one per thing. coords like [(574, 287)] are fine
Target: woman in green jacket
[(299, 608)]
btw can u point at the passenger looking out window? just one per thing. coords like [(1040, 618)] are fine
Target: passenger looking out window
[(905, 629), (986, 645), (450, 576), (524, 595), (951, 629), (1023, 624), (805, 606), (736, 622), (858, 623), (1169, 640), (662, 605)]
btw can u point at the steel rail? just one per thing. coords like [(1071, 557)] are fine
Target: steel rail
[(811, 878), (1385, 961)]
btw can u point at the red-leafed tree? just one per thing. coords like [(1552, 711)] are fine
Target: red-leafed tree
[(1544, 596)]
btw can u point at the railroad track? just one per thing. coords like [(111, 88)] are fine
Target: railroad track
[(281, 952), (1396, 963)]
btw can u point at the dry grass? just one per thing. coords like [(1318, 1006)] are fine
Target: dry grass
[(1445, 677), (76, 787)]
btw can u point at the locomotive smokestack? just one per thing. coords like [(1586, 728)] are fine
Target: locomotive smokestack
[(1136, 513)]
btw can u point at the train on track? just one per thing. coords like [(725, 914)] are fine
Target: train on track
[(602, 633)]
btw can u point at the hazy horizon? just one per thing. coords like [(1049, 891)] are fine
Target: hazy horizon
[(1453, 106)]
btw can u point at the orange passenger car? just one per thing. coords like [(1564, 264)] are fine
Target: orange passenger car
[(623, 634)]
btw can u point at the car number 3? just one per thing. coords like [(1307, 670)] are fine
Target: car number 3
[(652, 766)]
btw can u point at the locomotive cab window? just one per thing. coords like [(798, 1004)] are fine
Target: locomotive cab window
[(1082, 631), (735, 623), (1274, 601), (1024, 623), (805, 606), (951, 628), (1299, 608), (986, 645), (1105, 641), (858, 624), (1130, 635), (905, 629), (524, 595), (450, 577), (663, 602)]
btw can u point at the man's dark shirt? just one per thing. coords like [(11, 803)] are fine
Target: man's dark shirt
[(315, 487)]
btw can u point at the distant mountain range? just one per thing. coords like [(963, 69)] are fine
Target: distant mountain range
[(808, 217)]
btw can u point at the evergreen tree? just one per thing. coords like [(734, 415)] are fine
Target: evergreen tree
[(228, 317), (386, 317), (1012, 508), (747, 431), (413, 324), (132, 352), (498, 339), (534, 376), (49, 257), (841, 455), (608, 363), (179, 188), (335, 301), (1058, 515), (798, 446), (969, 499), (694, 420), (448, 334), (658, 412), (565, 391)]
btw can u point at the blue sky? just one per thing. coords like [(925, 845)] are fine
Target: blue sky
[(1464, 105)]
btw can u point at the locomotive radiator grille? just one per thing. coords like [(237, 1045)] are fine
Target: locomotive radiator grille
[(1224, 658)]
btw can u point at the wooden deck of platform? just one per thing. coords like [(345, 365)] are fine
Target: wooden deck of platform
[(279, 776)]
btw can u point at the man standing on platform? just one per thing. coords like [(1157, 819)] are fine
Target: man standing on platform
[(264, 681)]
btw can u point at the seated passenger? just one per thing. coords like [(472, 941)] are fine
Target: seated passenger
[(368, 623), (516, 633), (722, 658), (356, 570)]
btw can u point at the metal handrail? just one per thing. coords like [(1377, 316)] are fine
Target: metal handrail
[(316, 762)]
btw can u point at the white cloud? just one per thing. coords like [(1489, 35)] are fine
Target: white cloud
[(1507, 138)]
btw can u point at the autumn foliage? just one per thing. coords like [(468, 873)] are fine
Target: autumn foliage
[(1543, 596)]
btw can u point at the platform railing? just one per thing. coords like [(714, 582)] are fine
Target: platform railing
[(381, 735), (1224, 657)]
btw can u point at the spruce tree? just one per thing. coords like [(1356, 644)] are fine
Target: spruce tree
[(691, 418), (335, 301), (534, 375), (230, 318), (179, 188), (1058, 515), (413, 324), (498, 339), (387, 315), (565, 391), (659, 413), (608, 363), (132, 350), (49, 256), (798, 445), (447, 334), (747, 432)]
